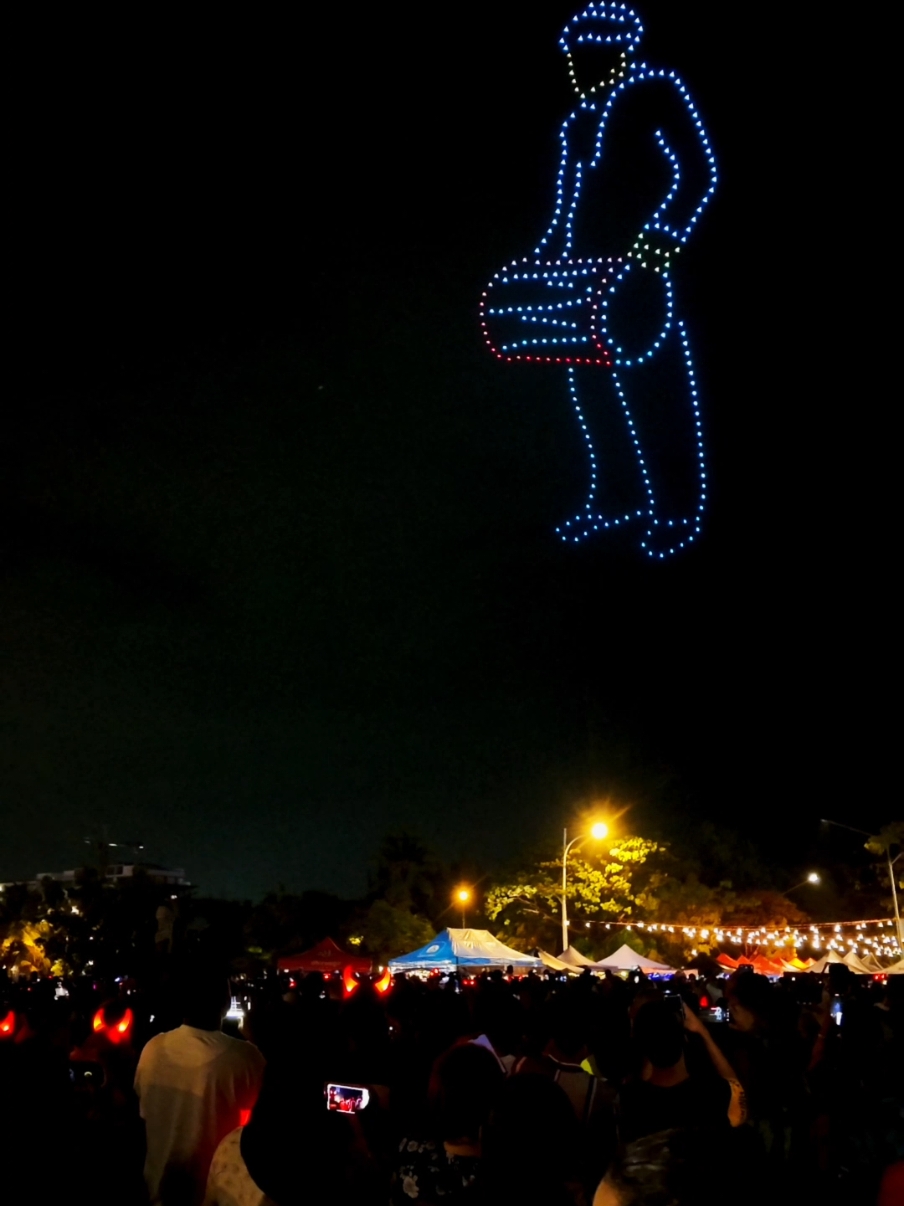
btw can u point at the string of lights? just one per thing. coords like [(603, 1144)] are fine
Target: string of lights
[(876, 935), (554, 307)]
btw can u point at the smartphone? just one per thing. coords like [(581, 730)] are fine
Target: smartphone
[(675, 1003), (836, 1011), (716, 1013), (347, 1099)]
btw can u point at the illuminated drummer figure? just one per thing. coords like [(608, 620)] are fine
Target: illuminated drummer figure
[(597, 294)]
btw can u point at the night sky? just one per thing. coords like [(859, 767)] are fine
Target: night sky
[(279, 570)]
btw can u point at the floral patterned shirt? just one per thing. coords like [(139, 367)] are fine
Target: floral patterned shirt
[(425, 1172)]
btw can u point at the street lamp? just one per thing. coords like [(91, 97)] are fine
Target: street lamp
[(812, 878), (899, 929), (462, 895), (598, 831)]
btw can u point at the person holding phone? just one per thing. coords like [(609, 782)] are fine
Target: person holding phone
[(666, 1094)]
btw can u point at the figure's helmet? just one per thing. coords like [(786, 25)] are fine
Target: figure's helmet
[(605, 23), (606, 34)]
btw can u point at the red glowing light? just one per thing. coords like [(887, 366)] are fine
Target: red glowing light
[(122, 1027), (115, 1032), (8, 1024), (244, 1117), (384, 983), (349, 983), (704, 1002)]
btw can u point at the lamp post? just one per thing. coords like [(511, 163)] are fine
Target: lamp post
[(462, 895), (899, 929), (598, 831)]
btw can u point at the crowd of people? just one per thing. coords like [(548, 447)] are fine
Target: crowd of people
[(590, 1091)]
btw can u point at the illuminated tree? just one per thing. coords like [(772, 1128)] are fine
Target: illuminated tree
[(22, 949), (605, 885)]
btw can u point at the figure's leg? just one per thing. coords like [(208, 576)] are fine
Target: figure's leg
[(590, 413), (661, 405)]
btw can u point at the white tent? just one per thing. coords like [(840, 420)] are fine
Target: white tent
[(856, 964), (628, 959), (575, 959), (895, 969), (555, 964), (872, 964), (821, 964)]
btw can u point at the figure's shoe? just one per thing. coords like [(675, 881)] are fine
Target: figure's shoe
[(664, 537), (587, 523)]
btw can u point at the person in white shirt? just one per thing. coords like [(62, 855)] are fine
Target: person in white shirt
[(194, 1085)]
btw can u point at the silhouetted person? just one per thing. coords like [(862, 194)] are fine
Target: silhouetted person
[(194, 1085), (666, 1095)]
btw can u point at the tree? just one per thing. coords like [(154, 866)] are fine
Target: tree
[(389, 931), (888, 847), (284, 923), (408, 875), (608, 885)]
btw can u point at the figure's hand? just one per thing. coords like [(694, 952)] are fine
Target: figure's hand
[(654, 249), (692, 1022)]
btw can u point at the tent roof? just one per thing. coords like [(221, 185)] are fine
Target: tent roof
[(627, 959), (555, 963), (326, 956), (856, 964), (574, 958), (454, 949)]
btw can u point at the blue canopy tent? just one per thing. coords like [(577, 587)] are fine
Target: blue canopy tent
[(459, 950)]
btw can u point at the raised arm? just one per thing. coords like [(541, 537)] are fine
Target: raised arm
[(684, 144), (737, 1104)]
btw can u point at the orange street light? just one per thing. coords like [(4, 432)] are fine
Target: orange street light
[(462, 895)]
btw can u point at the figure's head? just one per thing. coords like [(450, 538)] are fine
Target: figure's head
[(204, 990), (749, 999), (598, 44), (659, 1034)]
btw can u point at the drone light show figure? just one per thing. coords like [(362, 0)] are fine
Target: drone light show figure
[(597, 295)]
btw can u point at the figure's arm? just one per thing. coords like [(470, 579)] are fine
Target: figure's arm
[(683, 141), (737, 1103), (556, 241)]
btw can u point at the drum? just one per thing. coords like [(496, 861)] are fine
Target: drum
[(548, 312)]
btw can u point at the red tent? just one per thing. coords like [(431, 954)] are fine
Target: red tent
[(766, 967), (326, 956)]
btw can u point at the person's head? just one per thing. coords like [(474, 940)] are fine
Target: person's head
[(668, 1168), (749, 999), (841, 979), (463, 1083), (598, 44), (659, 1032), (204, 993)]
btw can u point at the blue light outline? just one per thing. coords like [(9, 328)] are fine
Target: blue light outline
[(614, 24)]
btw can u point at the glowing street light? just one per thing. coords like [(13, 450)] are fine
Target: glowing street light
[(462, 895), (598, 831), (812, 878)]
